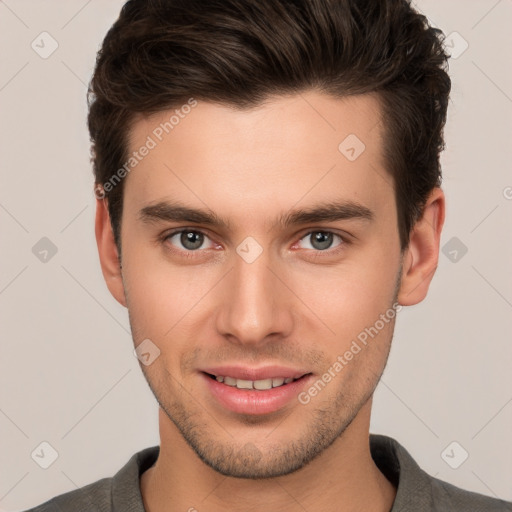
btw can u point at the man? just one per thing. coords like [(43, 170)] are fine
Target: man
[(268, 184)]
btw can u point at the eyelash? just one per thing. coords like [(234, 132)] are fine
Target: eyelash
[(344, 241)]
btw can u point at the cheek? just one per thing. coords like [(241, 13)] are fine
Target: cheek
[(159, 298), (356, 304), (164, 304), (163, 298), (349, 297)]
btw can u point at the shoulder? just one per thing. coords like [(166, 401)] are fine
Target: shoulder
[(446, 496), (118, 493), (418, 491), (95, 497)]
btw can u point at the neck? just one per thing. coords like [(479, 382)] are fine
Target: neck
[(344, 478)]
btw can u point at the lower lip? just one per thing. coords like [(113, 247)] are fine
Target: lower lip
[(245, 401)]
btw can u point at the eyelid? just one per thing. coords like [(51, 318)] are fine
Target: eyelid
[(169, 234), (345, 239)]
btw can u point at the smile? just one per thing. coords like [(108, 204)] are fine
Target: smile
[(261, 385), (255, 392)]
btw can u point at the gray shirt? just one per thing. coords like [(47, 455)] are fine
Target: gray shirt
[(416, 490)]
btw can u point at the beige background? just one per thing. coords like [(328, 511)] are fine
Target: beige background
[(67, 372)]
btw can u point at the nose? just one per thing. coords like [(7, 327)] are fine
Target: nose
[(256, 305)]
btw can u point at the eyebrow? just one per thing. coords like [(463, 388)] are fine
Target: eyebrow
[(325, 212)]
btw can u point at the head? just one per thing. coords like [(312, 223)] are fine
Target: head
[(269, 192)]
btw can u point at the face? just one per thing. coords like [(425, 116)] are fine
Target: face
[(255, 250)]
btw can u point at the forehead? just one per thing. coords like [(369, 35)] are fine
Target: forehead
[(305, 147)]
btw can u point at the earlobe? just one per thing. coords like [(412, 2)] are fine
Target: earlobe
[(107, 250), (421, 256)]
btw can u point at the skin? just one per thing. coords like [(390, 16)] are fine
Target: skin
[(295, 305)]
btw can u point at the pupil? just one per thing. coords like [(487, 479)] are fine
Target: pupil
[(322, 240), (191, 240)]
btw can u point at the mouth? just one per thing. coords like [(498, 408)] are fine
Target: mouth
[(259, 385), (255, 391)]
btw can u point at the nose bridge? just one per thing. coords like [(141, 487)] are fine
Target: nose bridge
[(254, 303)]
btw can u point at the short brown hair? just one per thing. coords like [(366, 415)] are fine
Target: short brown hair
[(160, 53)]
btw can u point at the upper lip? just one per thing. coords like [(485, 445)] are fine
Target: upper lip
[(247, 373)]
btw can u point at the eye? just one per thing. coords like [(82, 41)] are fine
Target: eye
[(321, 240), (189, 240)]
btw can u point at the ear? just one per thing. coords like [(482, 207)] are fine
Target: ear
[(421, 256), (107, 249)]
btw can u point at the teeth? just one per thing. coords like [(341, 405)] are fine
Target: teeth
[(230, 381), (244, 384), (261, 385)]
